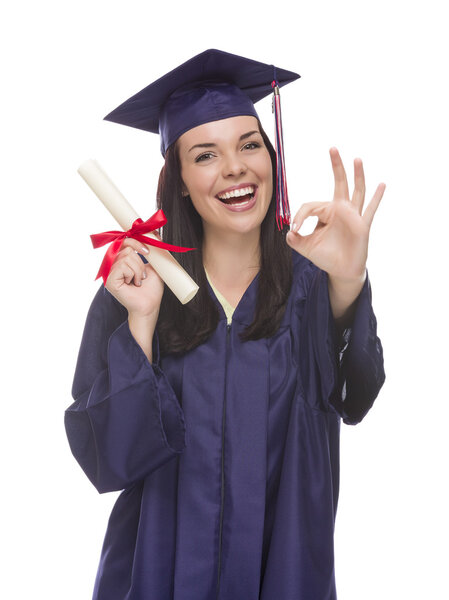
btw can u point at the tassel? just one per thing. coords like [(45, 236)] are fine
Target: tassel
[(282, 206)]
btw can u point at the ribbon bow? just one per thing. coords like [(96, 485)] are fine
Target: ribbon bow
[(136, 232)]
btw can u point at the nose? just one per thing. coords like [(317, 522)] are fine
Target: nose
[(233, 165)]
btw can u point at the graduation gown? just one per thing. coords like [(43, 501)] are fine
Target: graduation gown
[(227, 455)]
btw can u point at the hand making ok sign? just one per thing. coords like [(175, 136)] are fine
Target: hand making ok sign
[(339, 242)]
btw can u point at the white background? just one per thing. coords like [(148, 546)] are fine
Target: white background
[(374, 84)]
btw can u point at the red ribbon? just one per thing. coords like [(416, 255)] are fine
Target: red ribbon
[(136, 232)]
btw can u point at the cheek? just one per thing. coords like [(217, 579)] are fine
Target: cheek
[(271, 182), (198, 206), (201, 203), (268, 176), (198, 183), (265, 170)]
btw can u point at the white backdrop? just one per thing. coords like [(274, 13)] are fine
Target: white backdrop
[(374, 84)]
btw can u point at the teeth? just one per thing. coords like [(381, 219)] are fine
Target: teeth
[(237, 193)]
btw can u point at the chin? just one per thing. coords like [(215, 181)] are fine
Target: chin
[(245, 225)]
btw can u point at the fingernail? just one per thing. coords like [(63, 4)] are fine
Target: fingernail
[(294, 227), (144, 250), (144, 276)]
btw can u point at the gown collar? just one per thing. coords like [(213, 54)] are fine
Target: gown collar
[(245, 309)]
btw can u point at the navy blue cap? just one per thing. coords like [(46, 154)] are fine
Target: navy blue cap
[(211, 86)]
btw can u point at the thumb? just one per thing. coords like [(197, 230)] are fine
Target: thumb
[(298, 242)]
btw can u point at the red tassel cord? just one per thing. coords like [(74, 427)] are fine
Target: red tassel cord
[(282, 205)]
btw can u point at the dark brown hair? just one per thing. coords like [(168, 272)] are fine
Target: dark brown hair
[(183, 327)]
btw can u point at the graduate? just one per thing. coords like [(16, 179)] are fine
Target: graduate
[(219, 419)]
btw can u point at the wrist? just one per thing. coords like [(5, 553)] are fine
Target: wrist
[(348, 282), (142, 329), (343, 292), (145, 319)]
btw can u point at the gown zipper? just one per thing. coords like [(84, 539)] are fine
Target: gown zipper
[(220, 534)]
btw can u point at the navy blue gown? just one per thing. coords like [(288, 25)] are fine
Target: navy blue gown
[(227, 455)]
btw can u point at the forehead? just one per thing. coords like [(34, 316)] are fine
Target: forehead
[(215, 132)]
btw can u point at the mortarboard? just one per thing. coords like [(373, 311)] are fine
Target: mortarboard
[(211, 86)]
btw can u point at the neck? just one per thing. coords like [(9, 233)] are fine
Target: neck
[(232, 260)]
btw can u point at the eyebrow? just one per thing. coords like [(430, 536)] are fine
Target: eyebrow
[(244, 136)]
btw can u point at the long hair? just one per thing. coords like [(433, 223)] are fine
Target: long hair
[(183, 327)]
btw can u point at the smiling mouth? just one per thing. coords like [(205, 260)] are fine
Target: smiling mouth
[(240, 196)]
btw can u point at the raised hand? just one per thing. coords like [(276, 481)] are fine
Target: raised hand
[(339, 242)]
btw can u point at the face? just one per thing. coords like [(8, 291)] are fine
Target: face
[(227, 172)]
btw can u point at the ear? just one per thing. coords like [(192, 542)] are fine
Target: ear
[(185, 191)]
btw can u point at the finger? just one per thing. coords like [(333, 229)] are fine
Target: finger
[(135, 245), (307, 210), (295, 241), (370, 210), (323, 213), (121, 272), (300, 243), (129, 258), (341, 190), (124, 251), (358, 197), (135, 262), (129, 253), (128, 274)]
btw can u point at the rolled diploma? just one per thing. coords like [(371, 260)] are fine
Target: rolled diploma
[(168, 269)]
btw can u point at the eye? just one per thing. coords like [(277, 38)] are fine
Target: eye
[(203, 157), (251, 146)]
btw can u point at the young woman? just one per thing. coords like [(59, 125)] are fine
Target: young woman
[(220, 419)]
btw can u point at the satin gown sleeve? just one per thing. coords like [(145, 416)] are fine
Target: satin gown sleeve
[(350, 365), (125, 421)]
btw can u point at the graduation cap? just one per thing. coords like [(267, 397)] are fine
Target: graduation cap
[(211, 86)]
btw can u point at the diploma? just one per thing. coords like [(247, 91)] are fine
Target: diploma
[(168, 269)]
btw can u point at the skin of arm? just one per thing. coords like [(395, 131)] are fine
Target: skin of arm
[(343, 295), (142, 329)]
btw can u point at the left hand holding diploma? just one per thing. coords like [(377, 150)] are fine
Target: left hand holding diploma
[(339, 242)]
